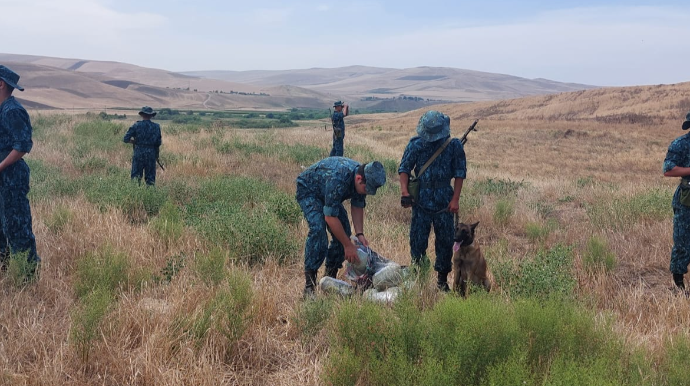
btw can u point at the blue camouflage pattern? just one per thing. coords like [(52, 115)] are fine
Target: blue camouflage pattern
[(338, 120), (147, 138), (16, 231), (321, 190), (435, 194), (678, 154)]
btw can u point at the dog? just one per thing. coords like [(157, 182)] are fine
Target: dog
[(468, 262)]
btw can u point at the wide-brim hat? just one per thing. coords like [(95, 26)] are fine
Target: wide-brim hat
[(375, 176), (338, 103), (433, 125), (10, 77), (686, 124), (146, 110)]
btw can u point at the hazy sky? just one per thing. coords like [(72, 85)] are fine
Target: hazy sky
[(593, 42)]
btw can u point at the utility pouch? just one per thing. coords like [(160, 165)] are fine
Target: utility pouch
[(684, 191), (413, 188)]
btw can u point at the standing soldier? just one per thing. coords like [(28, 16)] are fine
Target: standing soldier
[(437, 200), (341, 111), (145, 136), (677, 164), (16, 233), (321, 190)]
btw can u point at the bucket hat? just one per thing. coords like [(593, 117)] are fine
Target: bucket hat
[(433, 125), (147, 111), (375, 176), (10, 77), (686, 124)]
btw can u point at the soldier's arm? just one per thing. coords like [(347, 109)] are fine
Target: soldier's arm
[(339, 233), (677, 171), (11, 158)]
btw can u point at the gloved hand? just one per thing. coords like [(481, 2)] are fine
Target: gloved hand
[(406, 201)]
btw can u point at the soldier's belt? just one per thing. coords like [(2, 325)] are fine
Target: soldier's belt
[(433, 184)]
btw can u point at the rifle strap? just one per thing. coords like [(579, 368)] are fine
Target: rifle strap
[(433, 157)]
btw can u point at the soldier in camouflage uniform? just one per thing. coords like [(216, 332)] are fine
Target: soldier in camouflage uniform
[(677, 164), (321, 189), (438, 200), (341, 111), (146, 138), (16, 234)]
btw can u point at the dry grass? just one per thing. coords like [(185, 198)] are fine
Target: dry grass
[(567, 169)]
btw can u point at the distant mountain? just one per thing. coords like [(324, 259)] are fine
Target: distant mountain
[(371, 85), (78, 83)]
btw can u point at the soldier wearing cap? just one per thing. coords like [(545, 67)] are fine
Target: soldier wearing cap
[(16, 233), (438, 200), (341, 111), (321, 190), (677, 164), (145, 136)]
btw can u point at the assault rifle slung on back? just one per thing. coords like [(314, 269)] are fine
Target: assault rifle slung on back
[(472, 127)]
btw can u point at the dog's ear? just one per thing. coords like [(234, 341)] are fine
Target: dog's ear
[(474, 226)]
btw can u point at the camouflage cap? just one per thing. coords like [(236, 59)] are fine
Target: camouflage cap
[(146, 110), (338, 103), (375, 176), (433, 126), (686, 124), (10, 77)]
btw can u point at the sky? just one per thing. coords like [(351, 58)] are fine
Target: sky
[(604, 43)]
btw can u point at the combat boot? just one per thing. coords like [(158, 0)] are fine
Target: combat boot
[(332, 272), (442, 283), (309, 285), (678, 280)]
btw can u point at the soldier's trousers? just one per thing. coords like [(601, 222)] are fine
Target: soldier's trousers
[(16, 233), (680, 254), (338, 146), (144, 164), (317, 248), (444, 232)]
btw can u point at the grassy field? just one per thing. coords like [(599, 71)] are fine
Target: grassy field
[(199, 281)]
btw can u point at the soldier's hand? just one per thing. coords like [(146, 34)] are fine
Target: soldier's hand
[(406, 201), (351, 253)]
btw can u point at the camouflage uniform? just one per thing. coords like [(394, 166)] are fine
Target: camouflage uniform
[(147, 136), (435, 193), (16, 231), (338, 134), (321, 189), (679, 155)]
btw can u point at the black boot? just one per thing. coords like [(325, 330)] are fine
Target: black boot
[(332, 272), (309, 284), (678, 280), (442, 283)]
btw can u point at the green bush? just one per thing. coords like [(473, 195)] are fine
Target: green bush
[(169, 224), (103, 269), (86, 319), (500, 188), (598, 256), (48, 182), (312, 316), (503, 211), (210, 267), (59, 218), (138, 202), (620, 213), (548, 273), (481, 340)]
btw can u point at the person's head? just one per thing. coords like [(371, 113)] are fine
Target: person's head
[(433, 125), (9, 80), (369, 178), (147, 112), (686, 124), (338, 105)]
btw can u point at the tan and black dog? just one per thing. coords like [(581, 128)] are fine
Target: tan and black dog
[(468, 262)]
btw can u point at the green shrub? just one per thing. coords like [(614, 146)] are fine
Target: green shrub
[(598, 255), (548, 273), (86, 319), (169, 224), (501, 188), (620, 213), (104, 269), (304, 154), (173, 266), (60, 217), (674, 365), (48, 182), (503, 211), (537, 233), (312, 316), (210, 267), (20, 270)]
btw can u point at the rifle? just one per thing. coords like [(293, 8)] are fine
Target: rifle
[(472, 127)]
